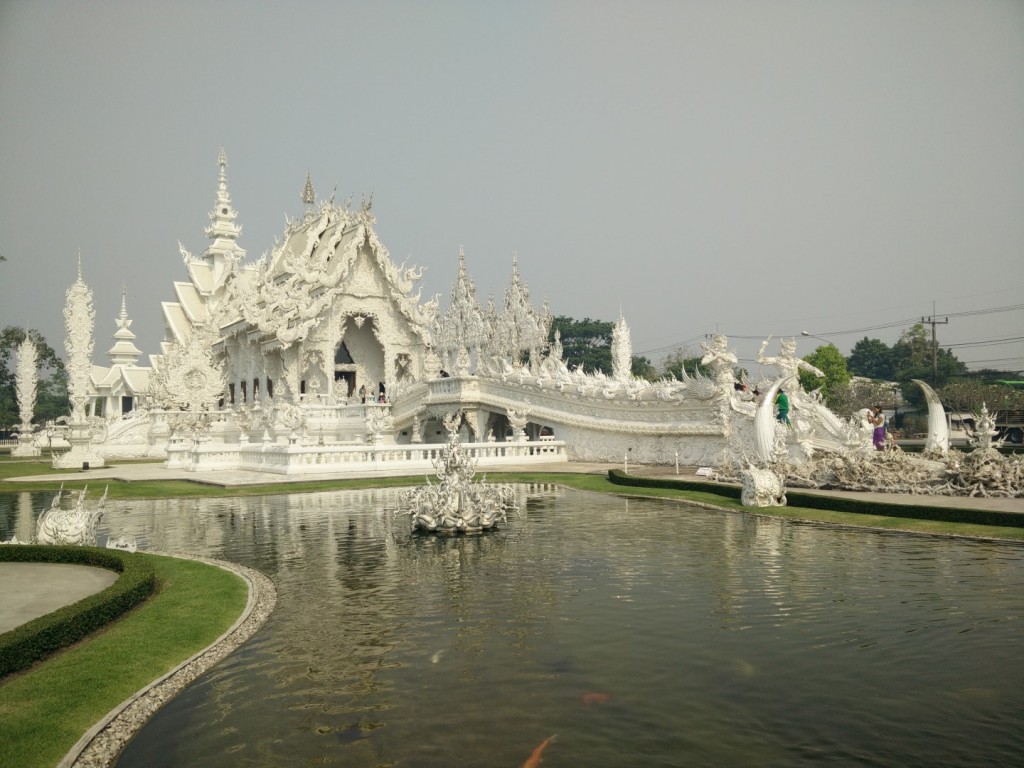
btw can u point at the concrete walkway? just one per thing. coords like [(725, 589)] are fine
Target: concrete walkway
[(31, 590)]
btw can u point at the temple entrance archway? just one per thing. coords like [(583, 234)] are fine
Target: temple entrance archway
[(359, 358)]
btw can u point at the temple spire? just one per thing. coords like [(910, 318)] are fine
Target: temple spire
[(223, 231), (124, 351), (308, 196)]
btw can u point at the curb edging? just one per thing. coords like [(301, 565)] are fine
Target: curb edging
[(102, 744)]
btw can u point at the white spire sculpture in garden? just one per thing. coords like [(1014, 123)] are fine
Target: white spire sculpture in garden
[(79, 317), (25, 382), (622, 351)]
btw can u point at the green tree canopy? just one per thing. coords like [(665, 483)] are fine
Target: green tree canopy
[(864, 393), (968, 395), (52, 391), (872, 359), (643, 368), (586, 342), (915, 357), (830, 361), (676, 361)]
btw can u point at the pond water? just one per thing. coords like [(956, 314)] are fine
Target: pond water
[(641, 632)]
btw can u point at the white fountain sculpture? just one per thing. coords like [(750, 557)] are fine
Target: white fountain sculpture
[(456, 504), (26, 379), (74, 527)]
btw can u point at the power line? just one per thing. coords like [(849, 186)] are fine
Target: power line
[(989, 311), (996, 360), (984, 342), (908, 321)]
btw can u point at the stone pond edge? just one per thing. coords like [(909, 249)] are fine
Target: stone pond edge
[(102, 744)]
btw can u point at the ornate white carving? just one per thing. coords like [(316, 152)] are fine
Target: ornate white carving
[(787, 362), (622, 351), (456, 504), (938, 429), (79, 317), (461, 329), (26, 379), (762, 488), (329, 281), (188, 377), (70, 527)]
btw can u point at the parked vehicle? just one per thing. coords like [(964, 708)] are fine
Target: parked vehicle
[(1010, 425)]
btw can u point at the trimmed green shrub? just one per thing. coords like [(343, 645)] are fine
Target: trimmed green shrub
[(23, 646), (797, 498), (618, 477)]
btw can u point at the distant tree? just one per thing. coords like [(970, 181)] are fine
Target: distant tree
[(916, 358), (644, 368), (830, 361), (912, 354), (872, 359), (968, 395), (676, 361), (994, 375), (52, 392), (864, 393), (586, 342)]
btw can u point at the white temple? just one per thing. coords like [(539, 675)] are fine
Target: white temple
[(323, 357)]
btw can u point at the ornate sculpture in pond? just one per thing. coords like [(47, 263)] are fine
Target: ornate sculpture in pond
[(456, 504), (75, 526)]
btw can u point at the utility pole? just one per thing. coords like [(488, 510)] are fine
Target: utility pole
[(933, 321)]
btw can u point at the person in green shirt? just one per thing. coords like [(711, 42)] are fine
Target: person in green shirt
[(782, 402)]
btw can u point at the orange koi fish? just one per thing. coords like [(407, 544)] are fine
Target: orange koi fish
[(534, 759), (594, 698)]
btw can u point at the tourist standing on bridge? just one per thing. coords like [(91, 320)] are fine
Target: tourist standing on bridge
[(782, 403), (877, 419)]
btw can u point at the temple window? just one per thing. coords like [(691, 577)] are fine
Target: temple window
[(231, 392), (270, 388), (245, 392), (341, 355)]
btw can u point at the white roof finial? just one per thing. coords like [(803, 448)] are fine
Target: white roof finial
[(308, 197)]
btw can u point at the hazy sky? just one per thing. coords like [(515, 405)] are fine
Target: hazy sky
[(836, 166)]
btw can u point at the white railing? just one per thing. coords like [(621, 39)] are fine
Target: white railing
[(353, 459)]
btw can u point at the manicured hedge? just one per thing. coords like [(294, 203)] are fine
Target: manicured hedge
[(618, 477), (23, 646), (797, 498)]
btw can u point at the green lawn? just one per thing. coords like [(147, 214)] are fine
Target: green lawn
[(47, 708)]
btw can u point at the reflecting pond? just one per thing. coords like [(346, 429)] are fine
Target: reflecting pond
[(641, 632)]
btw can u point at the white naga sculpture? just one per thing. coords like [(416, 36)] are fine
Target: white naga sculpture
[(74, 527), (26, 378)]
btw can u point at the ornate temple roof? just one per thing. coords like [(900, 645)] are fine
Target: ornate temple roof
[(319, 261)]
